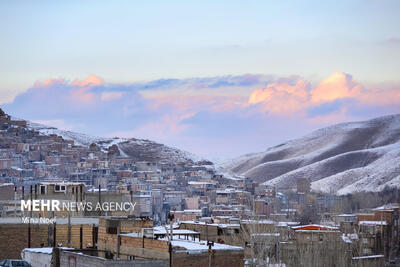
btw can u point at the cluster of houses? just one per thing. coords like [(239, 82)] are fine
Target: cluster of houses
[(184, 213)]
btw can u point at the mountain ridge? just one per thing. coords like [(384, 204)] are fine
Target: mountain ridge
[(340, 158), (138, 149)]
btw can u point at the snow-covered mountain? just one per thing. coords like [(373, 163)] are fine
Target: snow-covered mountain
[(343, 158), (138, 149)]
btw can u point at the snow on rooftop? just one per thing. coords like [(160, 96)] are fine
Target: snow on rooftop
[(176, 232), (132, 234), (187, 211), (6, 184), (61, 183), (39, 250), (201, 246), (345, 215), (368, 257), (389, 206), (91, 190), (318, 226), (200, 183), (46, 250), (372, 223), (162, 227), (282, 224), (221, 225), (263, 221)]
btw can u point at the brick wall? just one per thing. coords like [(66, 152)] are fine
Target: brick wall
[(202, 229), (14, 237), (218, 259), (133, 246), (7, 192)]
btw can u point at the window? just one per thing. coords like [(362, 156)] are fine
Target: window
[(42, 189), (131, 258), (59, 188), (365, 240), (112, 226)]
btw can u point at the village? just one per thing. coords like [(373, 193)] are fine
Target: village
[(178, 214)]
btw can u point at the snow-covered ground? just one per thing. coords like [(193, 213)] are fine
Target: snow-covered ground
[(343, 158)]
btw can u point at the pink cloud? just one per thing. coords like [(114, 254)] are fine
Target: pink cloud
[(339, 85), (380, 97), (79, 90), (91, 80), (282, 98), (82, 91), (82, 95), (49, 82)]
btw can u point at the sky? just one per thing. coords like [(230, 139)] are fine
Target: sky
[(216, 78)]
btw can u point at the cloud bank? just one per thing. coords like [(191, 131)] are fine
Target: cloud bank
[(211, 116)]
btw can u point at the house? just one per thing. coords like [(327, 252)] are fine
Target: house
[(315, 233), (126, 238), (42, 257)]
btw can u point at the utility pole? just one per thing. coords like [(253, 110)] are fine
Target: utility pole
[(206, 231), (100, 199), (55, 235), (171, 220), (15, 201), (118, 241), (29, 225), (69, 228), (210, 244)]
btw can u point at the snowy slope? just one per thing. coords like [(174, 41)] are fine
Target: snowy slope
[(138, 149), (339, 159)]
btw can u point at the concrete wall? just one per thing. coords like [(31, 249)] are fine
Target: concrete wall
[(73, 259), (37, 259)]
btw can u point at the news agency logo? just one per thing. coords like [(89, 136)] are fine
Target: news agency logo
[(56, 205)]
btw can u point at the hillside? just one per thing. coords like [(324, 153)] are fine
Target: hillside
[(138, 149), (343, 158)]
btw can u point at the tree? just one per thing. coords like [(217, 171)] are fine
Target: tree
[(2, 113)]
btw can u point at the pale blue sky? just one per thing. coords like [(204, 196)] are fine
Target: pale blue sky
[(126, 42)]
